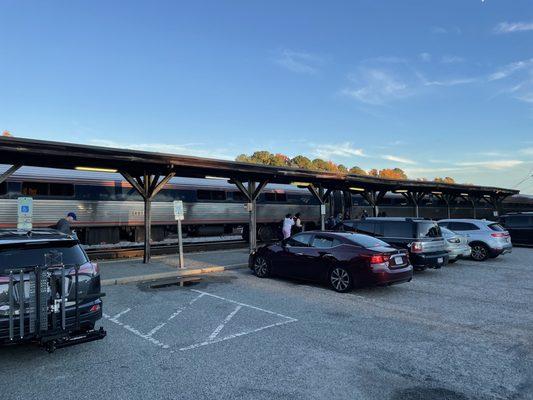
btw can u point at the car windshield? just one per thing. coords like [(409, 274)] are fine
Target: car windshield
[(366, 241), (428, 229), (28, 256)]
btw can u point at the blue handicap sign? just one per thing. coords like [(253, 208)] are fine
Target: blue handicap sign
[(24, 209)]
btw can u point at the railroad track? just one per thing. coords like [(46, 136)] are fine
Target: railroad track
[(161, 249)]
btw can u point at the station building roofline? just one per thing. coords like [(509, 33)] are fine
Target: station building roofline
[(39, 153)]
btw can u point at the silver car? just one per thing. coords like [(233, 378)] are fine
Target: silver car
[(486, 238), (456, 245)]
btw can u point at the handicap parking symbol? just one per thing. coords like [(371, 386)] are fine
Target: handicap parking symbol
[(24, 209)]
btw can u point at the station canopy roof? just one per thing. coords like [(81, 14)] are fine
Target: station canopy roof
[(38, 153)]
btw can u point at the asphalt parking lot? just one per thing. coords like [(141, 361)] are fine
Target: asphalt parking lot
[(462, 332)]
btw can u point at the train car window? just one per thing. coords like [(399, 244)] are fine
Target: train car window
[(34, 189), (276, 197), (61, 189), (218, 195), (238, 196), (3, 188)]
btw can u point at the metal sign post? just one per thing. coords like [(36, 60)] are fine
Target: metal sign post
[(178, 215), (24, 213)]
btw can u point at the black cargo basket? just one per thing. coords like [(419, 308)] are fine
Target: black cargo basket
[(38, 298)]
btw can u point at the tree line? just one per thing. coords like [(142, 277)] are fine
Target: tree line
[(281, 160)]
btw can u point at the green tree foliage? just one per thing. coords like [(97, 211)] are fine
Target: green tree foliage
[(302, 162), (243, 158), (446, 179), (266, 158), (357, 171)]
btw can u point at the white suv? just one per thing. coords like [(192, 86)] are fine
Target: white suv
[(486, 238)]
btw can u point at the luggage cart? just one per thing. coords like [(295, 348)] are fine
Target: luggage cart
[(38, 301)]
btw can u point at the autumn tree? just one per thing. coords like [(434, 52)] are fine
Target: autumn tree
[(6, 134), (320, 164), (373, 172), (302, 162), (242, 158), (342, 169), (446, 179), (394, 173), (357, 171), (280, 160)]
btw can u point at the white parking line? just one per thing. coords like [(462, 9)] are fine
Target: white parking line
[(242, 304), (116, 317), (131, 329), (195, 346), (213, 337), (226, 320)]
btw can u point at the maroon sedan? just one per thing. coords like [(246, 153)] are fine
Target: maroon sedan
[(342, 259)]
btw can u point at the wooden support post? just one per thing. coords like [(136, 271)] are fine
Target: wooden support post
[(10, 171), (148, 185), (251, 193)]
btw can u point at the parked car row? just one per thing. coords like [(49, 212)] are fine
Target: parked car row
[(379, 251)]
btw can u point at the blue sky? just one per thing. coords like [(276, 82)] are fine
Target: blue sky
[(434, 87)]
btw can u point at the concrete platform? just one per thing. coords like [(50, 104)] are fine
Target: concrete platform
[(118, 272)]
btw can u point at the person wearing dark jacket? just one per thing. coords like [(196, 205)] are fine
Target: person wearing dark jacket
[(63, 225)]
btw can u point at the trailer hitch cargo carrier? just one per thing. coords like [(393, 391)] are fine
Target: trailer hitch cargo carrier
[(40, 310)]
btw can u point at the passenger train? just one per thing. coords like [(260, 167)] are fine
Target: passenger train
[(109, 210)]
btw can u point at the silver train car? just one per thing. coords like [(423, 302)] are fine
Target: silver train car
[(110, 211)]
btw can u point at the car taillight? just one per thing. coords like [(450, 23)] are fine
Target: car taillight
[(379, 258), (95, 308), (499, 234), (89, 268), (416, 247)]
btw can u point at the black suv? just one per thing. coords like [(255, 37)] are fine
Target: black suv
[(422, 238), (49, 290), (519, 226)]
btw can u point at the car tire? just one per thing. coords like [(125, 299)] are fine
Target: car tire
[(480, 252), (340, 280), (261, 267), (451, 261)]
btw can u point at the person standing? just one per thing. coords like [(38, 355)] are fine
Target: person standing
[(297, 228), (63, 225), (288, 222)]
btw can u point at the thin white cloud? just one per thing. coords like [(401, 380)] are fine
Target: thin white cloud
[(511, 27), (425, 57), (450, 59), (528, 151), (440, 30), (376, 87), (299, 62), (510, 69), (451, 82), (495, 165), (431, 170), (398, 159), (189, 149), (346, 149)]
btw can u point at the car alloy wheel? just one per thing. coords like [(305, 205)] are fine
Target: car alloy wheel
[(261, 267), (479, 252), (340, 279)]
